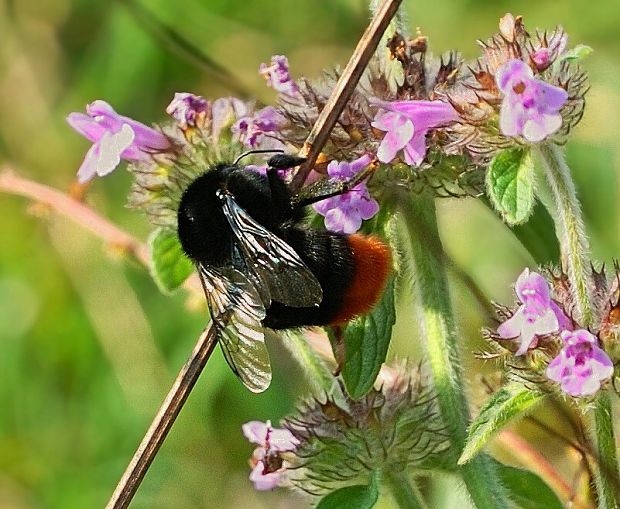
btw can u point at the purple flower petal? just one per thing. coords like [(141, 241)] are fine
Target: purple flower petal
[(511, 328), (86, 126), (282, 440), (278, 77), (581, 365), (512, 71), (395, 139), (564, 322), (256, 431), (264, 481), (187, 109), (532, 286), (105, 155), (115, 137), (537, 316), (406, 124), (415, 150), (344, 213), (537, 129), (340, 220), (530, 107)]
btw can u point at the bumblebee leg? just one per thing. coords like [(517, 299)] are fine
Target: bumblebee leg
[(326, 188), (338, 348), (279, 191)]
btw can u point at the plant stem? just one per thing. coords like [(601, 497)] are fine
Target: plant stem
[(606, 472), (575, 250), (318, 374), (570, 229), (405, 492), (438, 328)]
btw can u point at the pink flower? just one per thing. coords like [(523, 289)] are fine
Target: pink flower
[(278, 77), (581, 365), (538, 315), (406, 124), (256, 130), (530, 107), (344, 213), (546, 52), (114, 138), (187, 109), (269, 469), (225, 111)]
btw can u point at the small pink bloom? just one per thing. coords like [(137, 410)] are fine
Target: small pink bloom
[(278, 77), (544, 55), (344, 213), (581, 365), (406, 124), (114, 137), (258, 130), (530, 107), (268, 467), (187, 109), (538, 314), (225, 111)]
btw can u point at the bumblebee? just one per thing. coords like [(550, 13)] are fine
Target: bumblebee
[(262, 266)]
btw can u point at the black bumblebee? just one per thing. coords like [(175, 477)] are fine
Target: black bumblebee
[(262, 266)]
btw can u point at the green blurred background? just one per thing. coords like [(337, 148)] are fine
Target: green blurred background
[(88, 345)]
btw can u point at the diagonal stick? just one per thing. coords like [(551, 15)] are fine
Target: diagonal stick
[(163, 421)]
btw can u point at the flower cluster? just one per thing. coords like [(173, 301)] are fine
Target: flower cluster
[(439, 119), (342, 441), (566, 353), (525, 85)]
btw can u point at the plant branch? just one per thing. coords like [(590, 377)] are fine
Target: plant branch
[(575, 250), (344, 88), (84, 216), (163, 421), (439, 330), (405, 492)]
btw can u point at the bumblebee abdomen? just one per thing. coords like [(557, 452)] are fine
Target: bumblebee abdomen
[(351, 269), (372, 260)]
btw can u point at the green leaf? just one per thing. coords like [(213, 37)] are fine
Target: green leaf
[(352, 497), (510, 184), (169, 265), (579, 52), (527, 490), (511, 401), (366, 342)]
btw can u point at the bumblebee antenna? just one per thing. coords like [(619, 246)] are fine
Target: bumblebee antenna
[(259, 151)]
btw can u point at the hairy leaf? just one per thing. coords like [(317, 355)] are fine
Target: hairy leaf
[(510, 402), (510, 185), (352, 497), (527, 490), (577, 53), (169, 265), (366, 342)]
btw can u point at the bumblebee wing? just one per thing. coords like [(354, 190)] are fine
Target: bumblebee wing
[(237, 311), (272, 261)]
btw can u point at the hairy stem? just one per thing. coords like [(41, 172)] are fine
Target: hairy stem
[(438, 328), (309, 359), (570, 229), (404, 491), (575, 250), (606, 472)]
